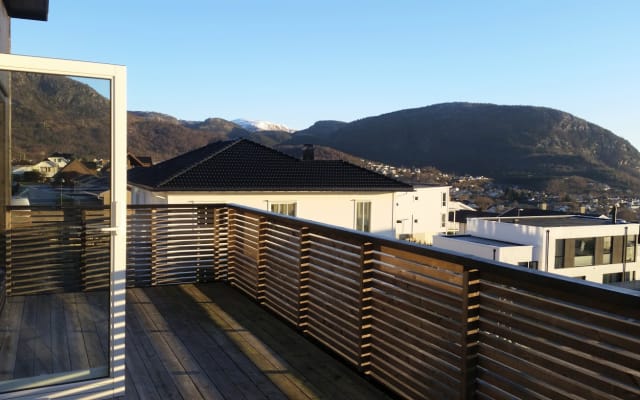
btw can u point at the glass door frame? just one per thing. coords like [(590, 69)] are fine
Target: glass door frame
[(114, 384)]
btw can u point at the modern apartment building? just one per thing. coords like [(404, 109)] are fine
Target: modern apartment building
[(594, 249)]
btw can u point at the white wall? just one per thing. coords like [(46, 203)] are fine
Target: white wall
[(507, 254), (538, 237), (419, 214), (335, 208)]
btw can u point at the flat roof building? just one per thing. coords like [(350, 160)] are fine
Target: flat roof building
[(595, 249)]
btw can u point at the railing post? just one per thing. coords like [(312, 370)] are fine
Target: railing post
[(153, 278), (231, 233), (470, 332), (366, 300), (261, 259), (83, 249), (6, 240), (220, 243), (303, 278)]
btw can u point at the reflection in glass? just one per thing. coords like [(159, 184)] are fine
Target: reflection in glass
[(55, 320)]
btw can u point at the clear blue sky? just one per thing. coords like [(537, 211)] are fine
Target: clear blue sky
[(299, 61)]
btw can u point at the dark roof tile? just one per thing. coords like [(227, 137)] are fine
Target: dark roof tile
[(242, 165)]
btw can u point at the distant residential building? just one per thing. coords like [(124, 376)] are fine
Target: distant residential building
[(75, 170), (59, 160), (596, 249), (422, 213), (46, 168), (247, 173)]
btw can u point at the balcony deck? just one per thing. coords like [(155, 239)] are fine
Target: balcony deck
[(209, 341), (420, 322)]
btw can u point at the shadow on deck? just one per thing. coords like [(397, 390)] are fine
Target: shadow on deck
[(208, 341)]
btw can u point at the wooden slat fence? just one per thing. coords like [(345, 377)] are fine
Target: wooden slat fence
[(56, 250), (426, 324), (170, 245), (544, 337)]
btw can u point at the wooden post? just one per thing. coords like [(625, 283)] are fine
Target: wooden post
[(231, 234), (5, 286), (469, 334), (303, 278), (261, 288), (83, 248), (153, 278), (366, 300), (220, 244)]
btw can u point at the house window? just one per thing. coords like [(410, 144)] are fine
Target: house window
[(363, 216), (444, 199), (528, 264), (585, 252), (559, 263), (607, 250), (284, 208), (630, 252), (618, 277), (443, 220)]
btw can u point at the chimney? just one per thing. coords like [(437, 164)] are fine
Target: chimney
[(614, 214), (308, 152)]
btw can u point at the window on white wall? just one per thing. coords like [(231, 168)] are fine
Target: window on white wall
[(630, 254), (444, 199), (607, 250), (363, 216), (284, 208), (443, 220)]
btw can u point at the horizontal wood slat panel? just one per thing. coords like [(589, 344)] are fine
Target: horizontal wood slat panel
[(425, 324)]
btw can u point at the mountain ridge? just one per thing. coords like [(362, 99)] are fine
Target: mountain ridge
[(509, 143), (523, 145)]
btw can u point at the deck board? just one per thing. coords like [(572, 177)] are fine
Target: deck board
[(212, 338), (184, 342)]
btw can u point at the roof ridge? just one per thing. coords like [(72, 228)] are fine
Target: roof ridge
[(191, 166)]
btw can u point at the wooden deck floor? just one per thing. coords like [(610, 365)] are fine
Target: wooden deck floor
[(49, 335), (210, 342)]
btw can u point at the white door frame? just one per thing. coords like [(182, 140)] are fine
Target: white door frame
[(116, 74)]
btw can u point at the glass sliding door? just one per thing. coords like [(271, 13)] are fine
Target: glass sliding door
[(62, 316)]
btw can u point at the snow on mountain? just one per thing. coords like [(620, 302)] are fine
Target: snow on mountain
[(254, 126)]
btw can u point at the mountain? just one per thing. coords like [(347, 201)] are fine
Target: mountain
[(57, 114), (523, 145), (514, 144), (256, 126), (319, 129)]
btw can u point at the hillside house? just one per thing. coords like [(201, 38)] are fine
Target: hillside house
[(332, 192), (595, 249)]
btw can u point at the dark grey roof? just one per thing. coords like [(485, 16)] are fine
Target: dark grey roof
[(485, 241), (556, 221), (243, 165)]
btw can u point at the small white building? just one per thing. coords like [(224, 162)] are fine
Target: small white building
[(595, 249), (421, 214), (59, 160)]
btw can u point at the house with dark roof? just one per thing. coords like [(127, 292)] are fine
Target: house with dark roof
[(247, 173)]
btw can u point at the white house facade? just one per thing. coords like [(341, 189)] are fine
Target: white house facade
[(370, 212), (422, 213), (594, 249), (331, 192)]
